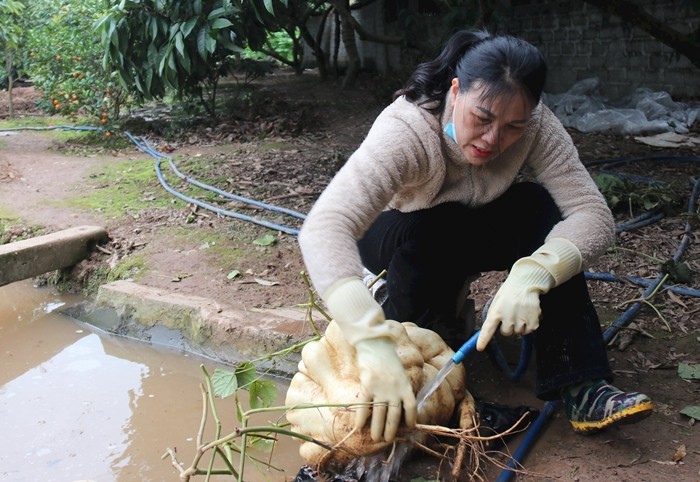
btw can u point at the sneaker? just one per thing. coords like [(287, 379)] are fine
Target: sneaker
[(597, 405), (377, 286)]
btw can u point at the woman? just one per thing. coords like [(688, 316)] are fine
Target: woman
[(444, 159)]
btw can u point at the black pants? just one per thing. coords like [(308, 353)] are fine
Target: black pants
[(429, 258)]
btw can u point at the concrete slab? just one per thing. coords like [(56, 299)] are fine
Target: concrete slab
[(32, 257), (210, 329)]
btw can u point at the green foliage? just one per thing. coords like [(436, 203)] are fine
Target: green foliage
[(125, 188), (634, 196), (279, 42), (11, 231), (63, 60), (160, 46), (266, 240), (10, 35), (180, 48), (285, 24), (262, 393), (677, 271)]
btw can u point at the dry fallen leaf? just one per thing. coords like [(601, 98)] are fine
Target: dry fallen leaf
[(680, 453), (265, 282), (676, 299)]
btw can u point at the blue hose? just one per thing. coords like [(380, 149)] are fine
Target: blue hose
[(681, 290), (528, 440), (159, 157)]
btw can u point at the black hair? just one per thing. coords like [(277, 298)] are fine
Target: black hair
[(501, 64)]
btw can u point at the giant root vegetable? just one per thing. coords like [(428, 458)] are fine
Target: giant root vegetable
[(328, 375)]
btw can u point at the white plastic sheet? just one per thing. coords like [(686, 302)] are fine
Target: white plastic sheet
[(643, 112)]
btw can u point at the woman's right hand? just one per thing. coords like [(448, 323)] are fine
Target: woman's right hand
[(386, 389)]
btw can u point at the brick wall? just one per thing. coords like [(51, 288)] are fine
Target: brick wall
[(579, 41)]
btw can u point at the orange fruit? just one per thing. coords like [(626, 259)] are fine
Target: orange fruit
[(58, 57), (103, 121), (108, 134)]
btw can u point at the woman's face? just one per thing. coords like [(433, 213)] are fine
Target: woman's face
[(484, 128)]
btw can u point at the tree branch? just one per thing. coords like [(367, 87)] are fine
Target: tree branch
[(364, 34), (687, 45)]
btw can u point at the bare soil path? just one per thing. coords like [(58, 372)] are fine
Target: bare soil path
[(284, 155)]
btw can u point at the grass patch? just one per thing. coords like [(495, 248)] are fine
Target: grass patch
[(71, 134), (203, 169), (132, 267), (124, 188), (32, 121), (12, 229)]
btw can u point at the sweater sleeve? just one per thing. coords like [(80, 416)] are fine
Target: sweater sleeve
[(391, 157), (587, 220)]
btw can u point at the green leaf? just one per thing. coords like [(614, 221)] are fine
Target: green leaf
[(233, 274), (692, 411), (180, 44), (137, 81), (202, 42), (173, 30), (220, 23), (689, 372), (185, 62), (216, 13), (266, 240), (197, 7), (246, 374), (113, 34), (225, 383), (678, 271), (263, 393), (162, 63), (261, 444), (149, 80), (211, 44), (153, 26), (226, 42), (187, 27)]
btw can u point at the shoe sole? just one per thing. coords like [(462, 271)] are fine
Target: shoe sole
[(630, 415)]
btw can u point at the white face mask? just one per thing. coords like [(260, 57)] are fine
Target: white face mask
[(450, 131)]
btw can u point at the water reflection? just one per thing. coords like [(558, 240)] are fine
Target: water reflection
[(77, 404)]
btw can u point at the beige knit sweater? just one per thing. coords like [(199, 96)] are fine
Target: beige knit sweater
[(408, 163)]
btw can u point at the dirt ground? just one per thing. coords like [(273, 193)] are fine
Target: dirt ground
[(285, 152)]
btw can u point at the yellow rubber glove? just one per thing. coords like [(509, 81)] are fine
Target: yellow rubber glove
[(516, 306), (383, 378)]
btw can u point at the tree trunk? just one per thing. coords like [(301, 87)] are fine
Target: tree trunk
[(10, 81), (315, 44), (348, 35)]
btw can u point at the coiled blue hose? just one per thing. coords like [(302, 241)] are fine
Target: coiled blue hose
[(144, 146)]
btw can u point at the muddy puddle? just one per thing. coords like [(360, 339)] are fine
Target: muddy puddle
[(79, 404)]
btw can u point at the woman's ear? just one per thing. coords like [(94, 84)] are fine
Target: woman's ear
[(454, 90)]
